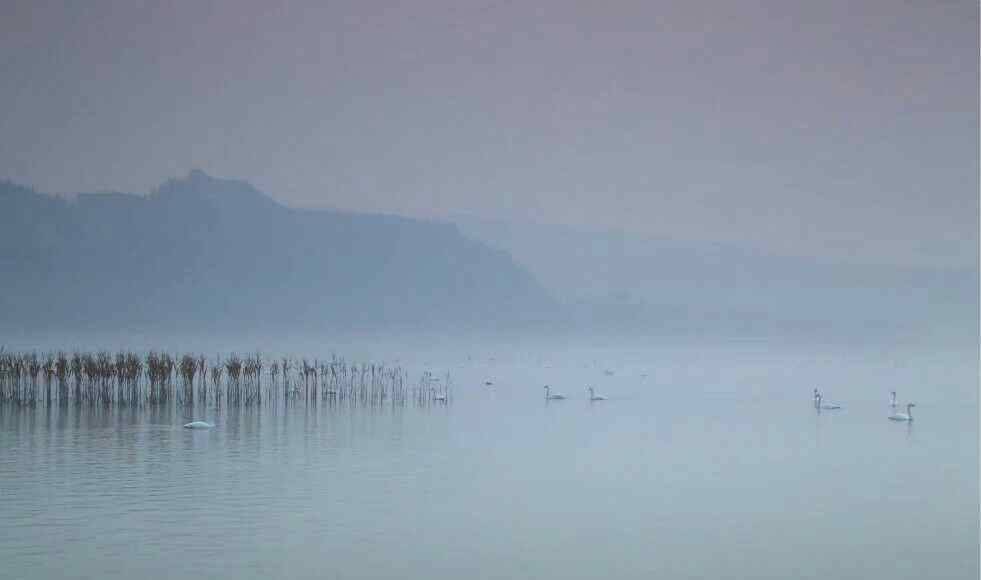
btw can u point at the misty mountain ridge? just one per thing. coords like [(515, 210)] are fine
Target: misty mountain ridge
[(625, 281), (205, 253), (199, 187)]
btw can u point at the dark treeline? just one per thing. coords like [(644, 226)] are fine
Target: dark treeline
[(108, 380)]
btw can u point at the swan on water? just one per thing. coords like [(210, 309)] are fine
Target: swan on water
[(550, 396), (817, 397), (907, 416), (593, 396), (892, 399), (198, 425), (826, 406)]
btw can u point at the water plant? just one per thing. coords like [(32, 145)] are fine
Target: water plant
[(104, 379)]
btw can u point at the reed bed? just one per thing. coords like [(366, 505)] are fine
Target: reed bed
[(128, 379)]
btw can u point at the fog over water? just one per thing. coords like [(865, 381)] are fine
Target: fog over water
[(702, 209), (706, 460)]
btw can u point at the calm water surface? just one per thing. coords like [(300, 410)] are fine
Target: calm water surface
[(714, 464)]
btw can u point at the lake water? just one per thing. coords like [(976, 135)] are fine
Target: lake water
[(714, 464)]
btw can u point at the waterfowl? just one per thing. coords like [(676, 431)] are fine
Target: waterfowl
[(550, 396), (826, 406), (907, 416)]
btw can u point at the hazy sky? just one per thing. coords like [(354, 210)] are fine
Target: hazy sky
[(838, 128)]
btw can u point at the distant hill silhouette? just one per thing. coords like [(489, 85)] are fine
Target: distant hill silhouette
[(206, 253), (631, 283)]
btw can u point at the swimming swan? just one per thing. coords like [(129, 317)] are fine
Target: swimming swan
[(198, 425), (826, 406), (907, 416), (892, 399), (593, 396), (552, 397)]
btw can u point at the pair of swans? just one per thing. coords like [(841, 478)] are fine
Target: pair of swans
[(896, 416), (550, 396)]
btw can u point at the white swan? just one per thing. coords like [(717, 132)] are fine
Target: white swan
[(826, 406), (549, 396), (817, 397), (907, 416), (593, 396), (198, 425), (892, 399)]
